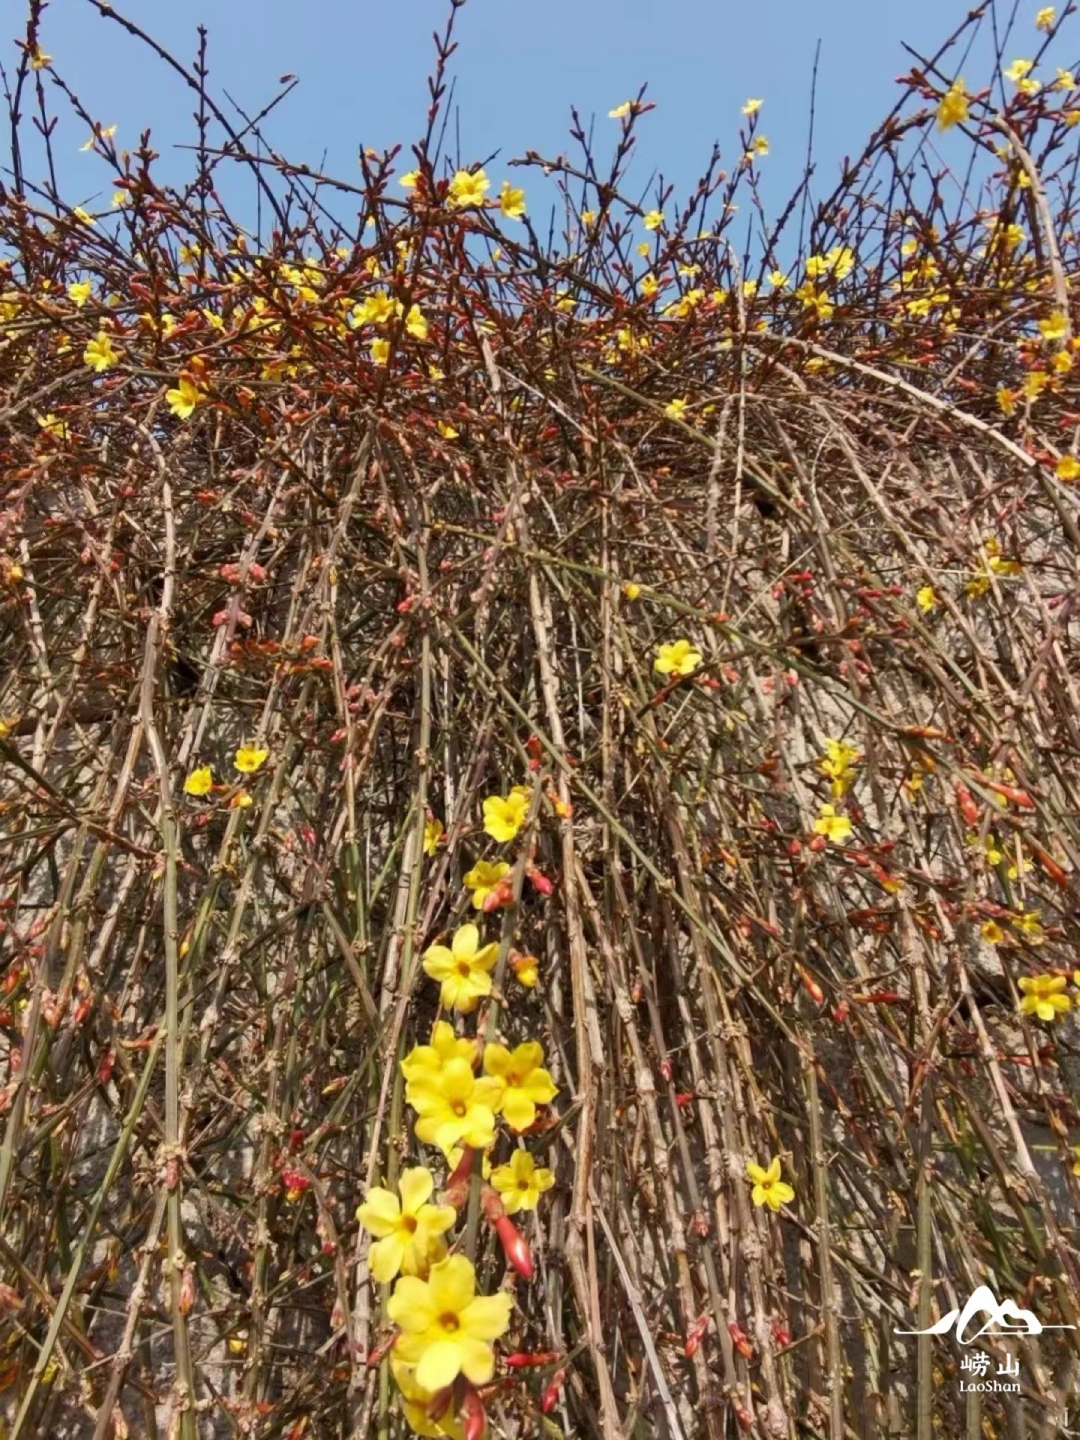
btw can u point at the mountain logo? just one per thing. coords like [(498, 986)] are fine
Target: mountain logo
[(1003, 1314)]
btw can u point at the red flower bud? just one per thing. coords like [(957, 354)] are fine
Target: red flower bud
[(968, 809), (523, 1358), (540, 881), (813, 989), (472, 1414), (499, 898), (515, 1247), (550, 1396), (740, 1339), (694, 1336)]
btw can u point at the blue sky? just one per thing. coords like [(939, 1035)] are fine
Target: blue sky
[(518, 70)]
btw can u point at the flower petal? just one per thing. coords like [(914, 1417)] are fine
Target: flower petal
[(440, 1364), (412, 1305), (380, 1212), (477, 1359), (497, 1058), (438, 962), (453, 1285), (465, 942), (518, 1110), (488, 1316), (415, 1187), (385, 1257)]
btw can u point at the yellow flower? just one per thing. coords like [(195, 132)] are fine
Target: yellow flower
[(1043, 997), (815, 299), (241, 801), (407, 1231), (379, 308), (759, 145), (992, 932), (643, 248), (752, 107), (463, 970), (416, 323), (454, 1106), (1054, 327), (446, 1328), (1018, 70), (621, 111), (432, 835), (520, 1184), (925, 598), (653, 219), (53, 425), (184, 397), (778, 279), (468, 188), (79, 292), (511, 201), (631, 590), (99, 353), (504, 818), (649, 285), (249, 758), (484, 878), (1076, 1162), (447, 431), (380, 351), (1029, 925), (954, 106), (1067, 468), (444, 1046), (1044, 18), (526, 968), (83, 215), (200, 781), (677, 658), (837, 828), (38, 58), (675, 409), (409, 179), (527, 1083), (769, 1189), (836, 763)]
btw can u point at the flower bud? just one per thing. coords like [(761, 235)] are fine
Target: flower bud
[(550, 1396), (472, 1414), (515, 1247)]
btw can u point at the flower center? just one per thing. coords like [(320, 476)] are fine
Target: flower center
[(459, 1108), (408, 1224), (464, 968), (523, 1185), (449, 1322)]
